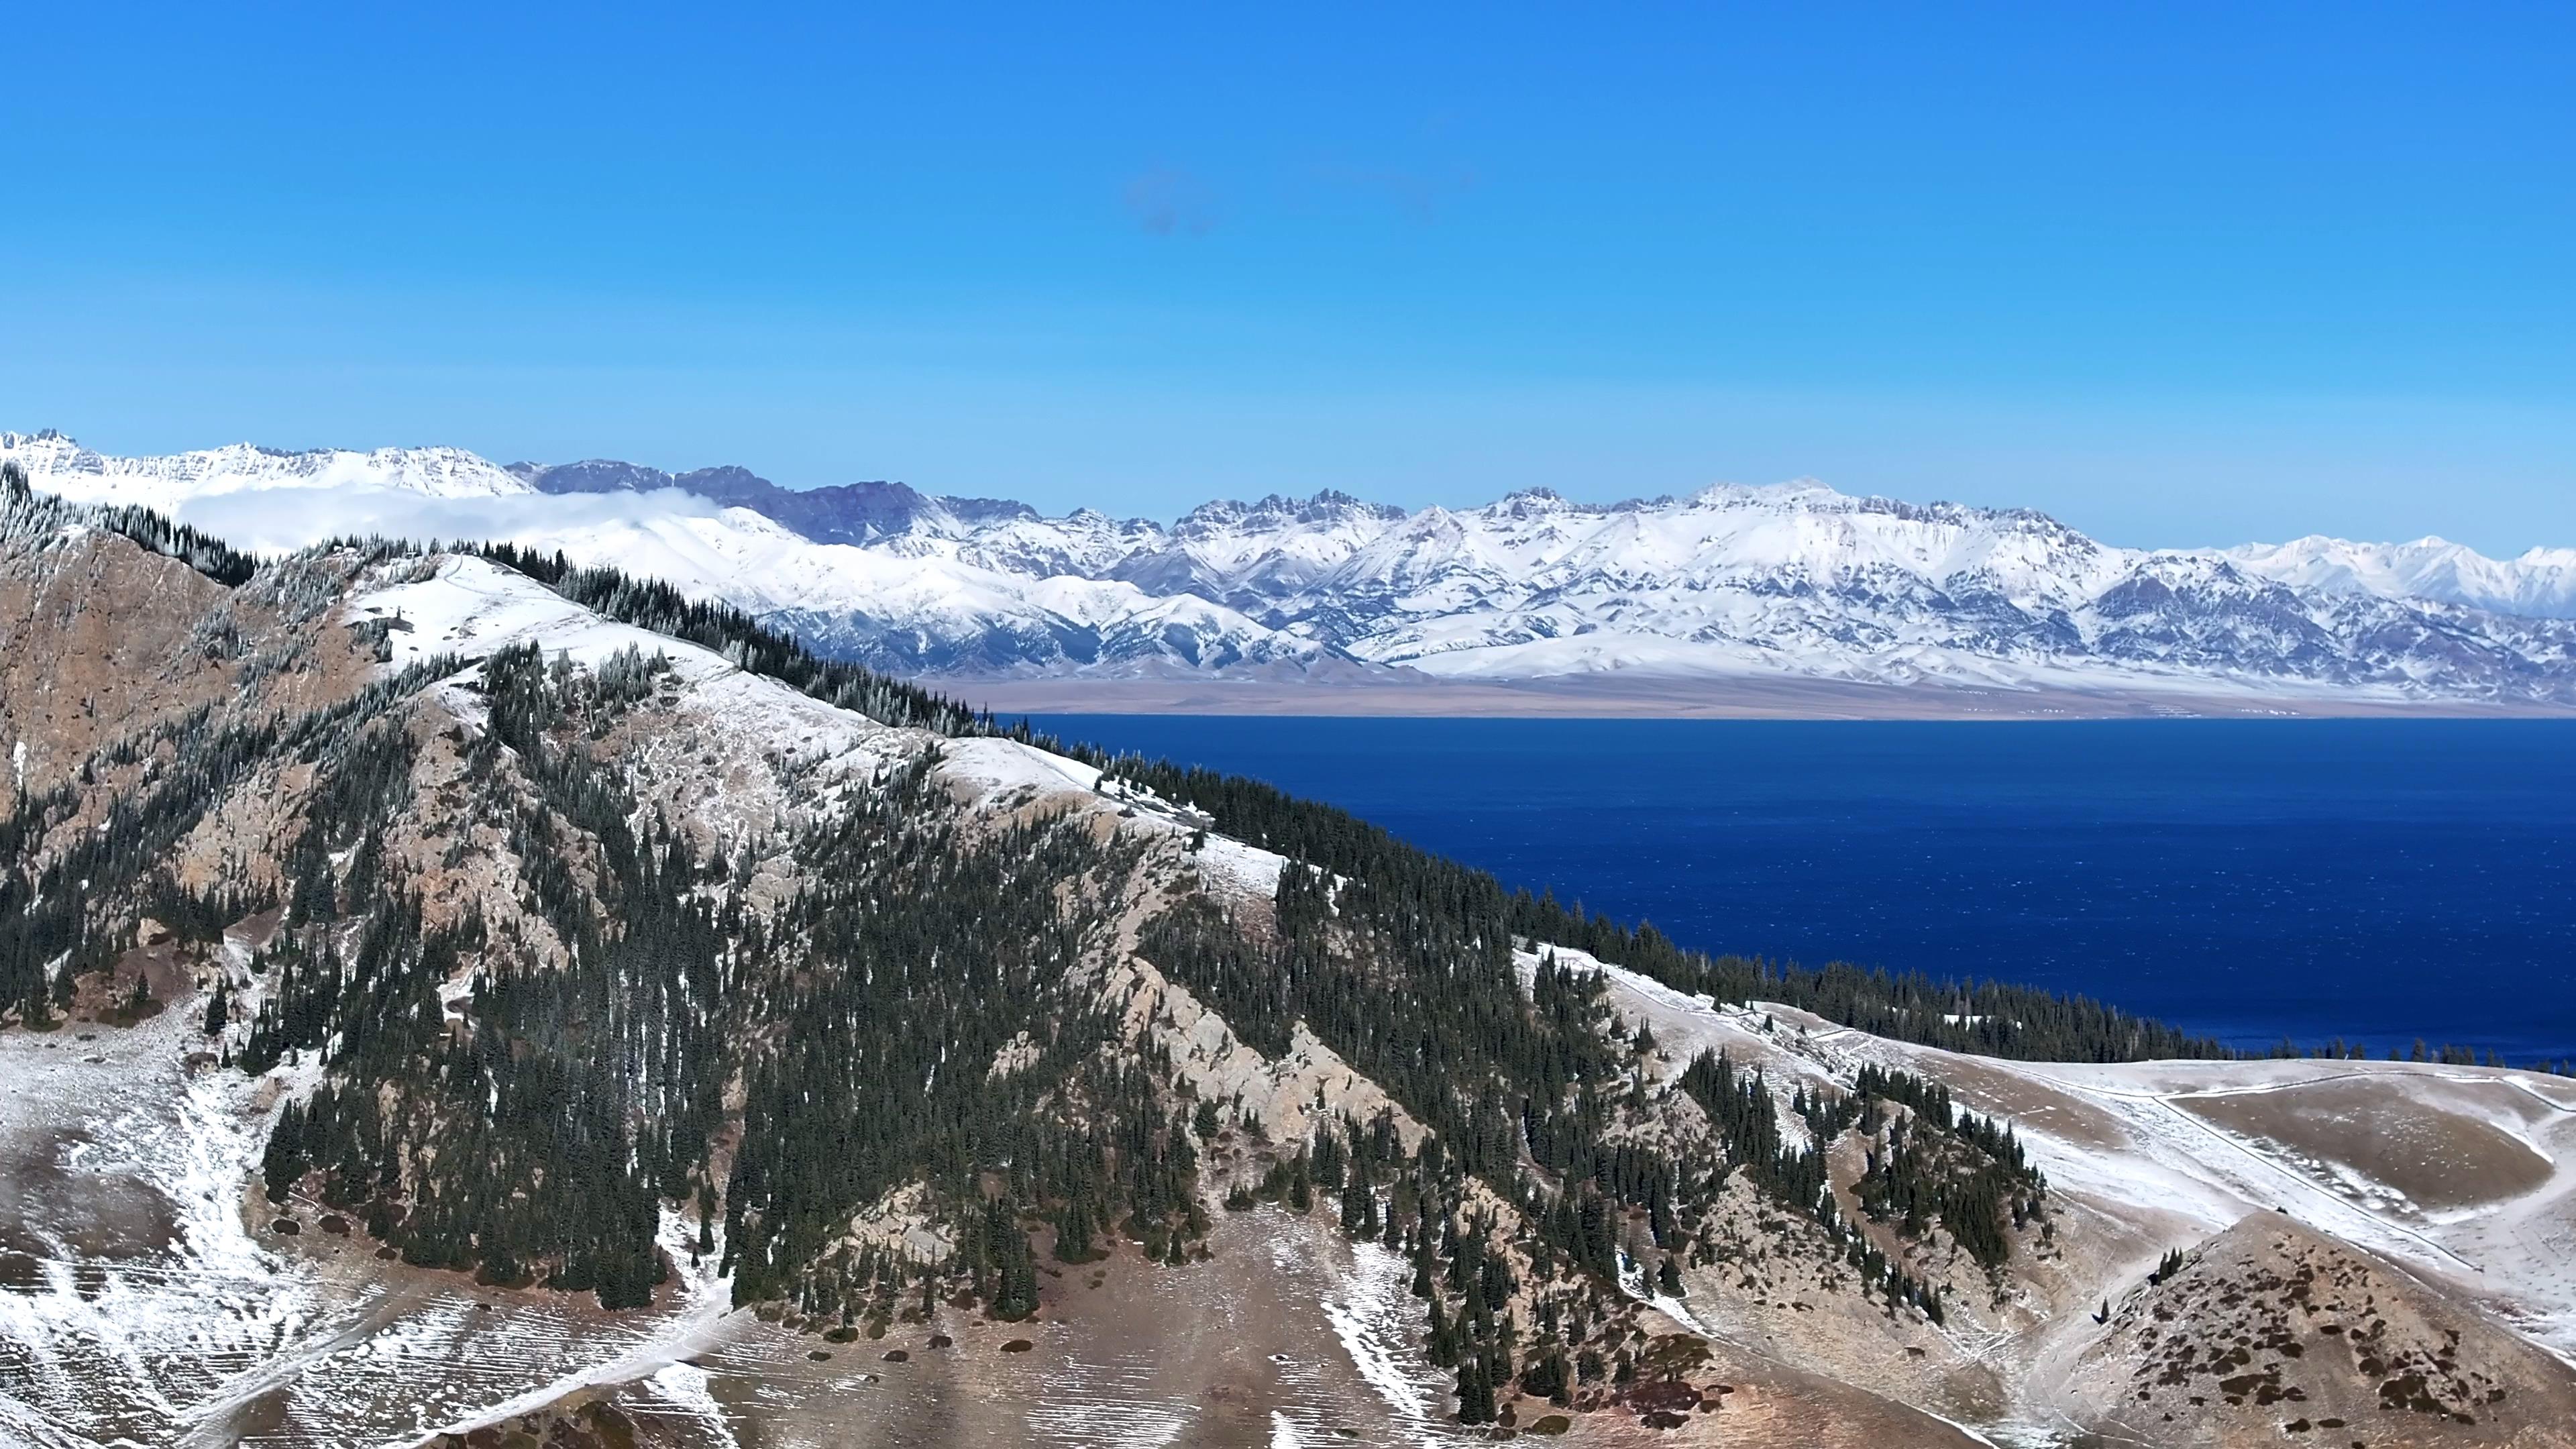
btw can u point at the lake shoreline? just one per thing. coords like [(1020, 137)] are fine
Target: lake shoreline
[(1592, 697)]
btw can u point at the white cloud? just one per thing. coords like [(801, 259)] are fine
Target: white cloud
[(278, 520)]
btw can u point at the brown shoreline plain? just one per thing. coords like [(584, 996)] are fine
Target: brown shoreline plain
[(1620, 697), (2381, 1129)]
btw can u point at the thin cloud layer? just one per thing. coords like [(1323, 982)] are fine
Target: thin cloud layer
[(276, 520), (1166, 201)]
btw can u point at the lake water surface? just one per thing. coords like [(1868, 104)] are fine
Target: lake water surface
[(2378, 879)]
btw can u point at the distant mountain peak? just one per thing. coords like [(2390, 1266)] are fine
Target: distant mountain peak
[(1274, 508), (165, 483), (1733, 581)]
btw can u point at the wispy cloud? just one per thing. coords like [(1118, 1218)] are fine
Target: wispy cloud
[(1418, 193), (1167, 201), (1413, 173), (275, 520)]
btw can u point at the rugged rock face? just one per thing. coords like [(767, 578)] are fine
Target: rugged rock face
[(1793, 582), (854, 513), (92, 649)]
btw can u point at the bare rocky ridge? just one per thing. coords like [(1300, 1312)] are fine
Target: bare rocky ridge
[(91, 651), (150, 1290)]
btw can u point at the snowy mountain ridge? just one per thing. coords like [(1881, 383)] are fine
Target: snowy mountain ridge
[(1791, 580), (2540, 582), (170, 482)]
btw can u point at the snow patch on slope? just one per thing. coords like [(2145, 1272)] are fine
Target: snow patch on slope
[(1373, 1321)]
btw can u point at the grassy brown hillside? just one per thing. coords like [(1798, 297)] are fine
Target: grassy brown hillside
[(2273, 1332)]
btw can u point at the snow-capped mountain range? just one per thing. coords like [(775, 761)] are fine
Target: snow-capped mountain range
[(1792, 581)]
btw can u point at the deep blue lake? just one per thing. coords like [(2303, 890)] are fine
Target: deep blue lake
[(2381, 880)]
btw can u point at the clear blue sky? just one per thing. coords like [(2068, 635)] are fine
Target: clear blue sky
[(2180, 274)]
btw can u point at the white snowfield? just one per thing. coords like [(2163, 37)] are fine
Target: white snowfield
[(1794, 581), (2166, 1144)]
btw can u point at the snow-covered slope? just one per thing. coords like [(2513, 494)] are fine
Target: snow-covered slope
[(2540, 583), (1795, 581), (915, 608)]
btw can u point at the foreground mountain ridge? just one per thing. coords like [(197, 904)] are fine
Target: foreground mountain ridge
[(1730, 585), (448, 995)]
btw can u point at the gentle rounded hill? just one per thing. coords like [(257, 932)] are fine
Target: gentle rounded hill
[(2275, 1333)]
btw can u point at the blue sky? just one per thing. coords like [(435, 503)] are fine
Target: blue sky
[(2179, 274)]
